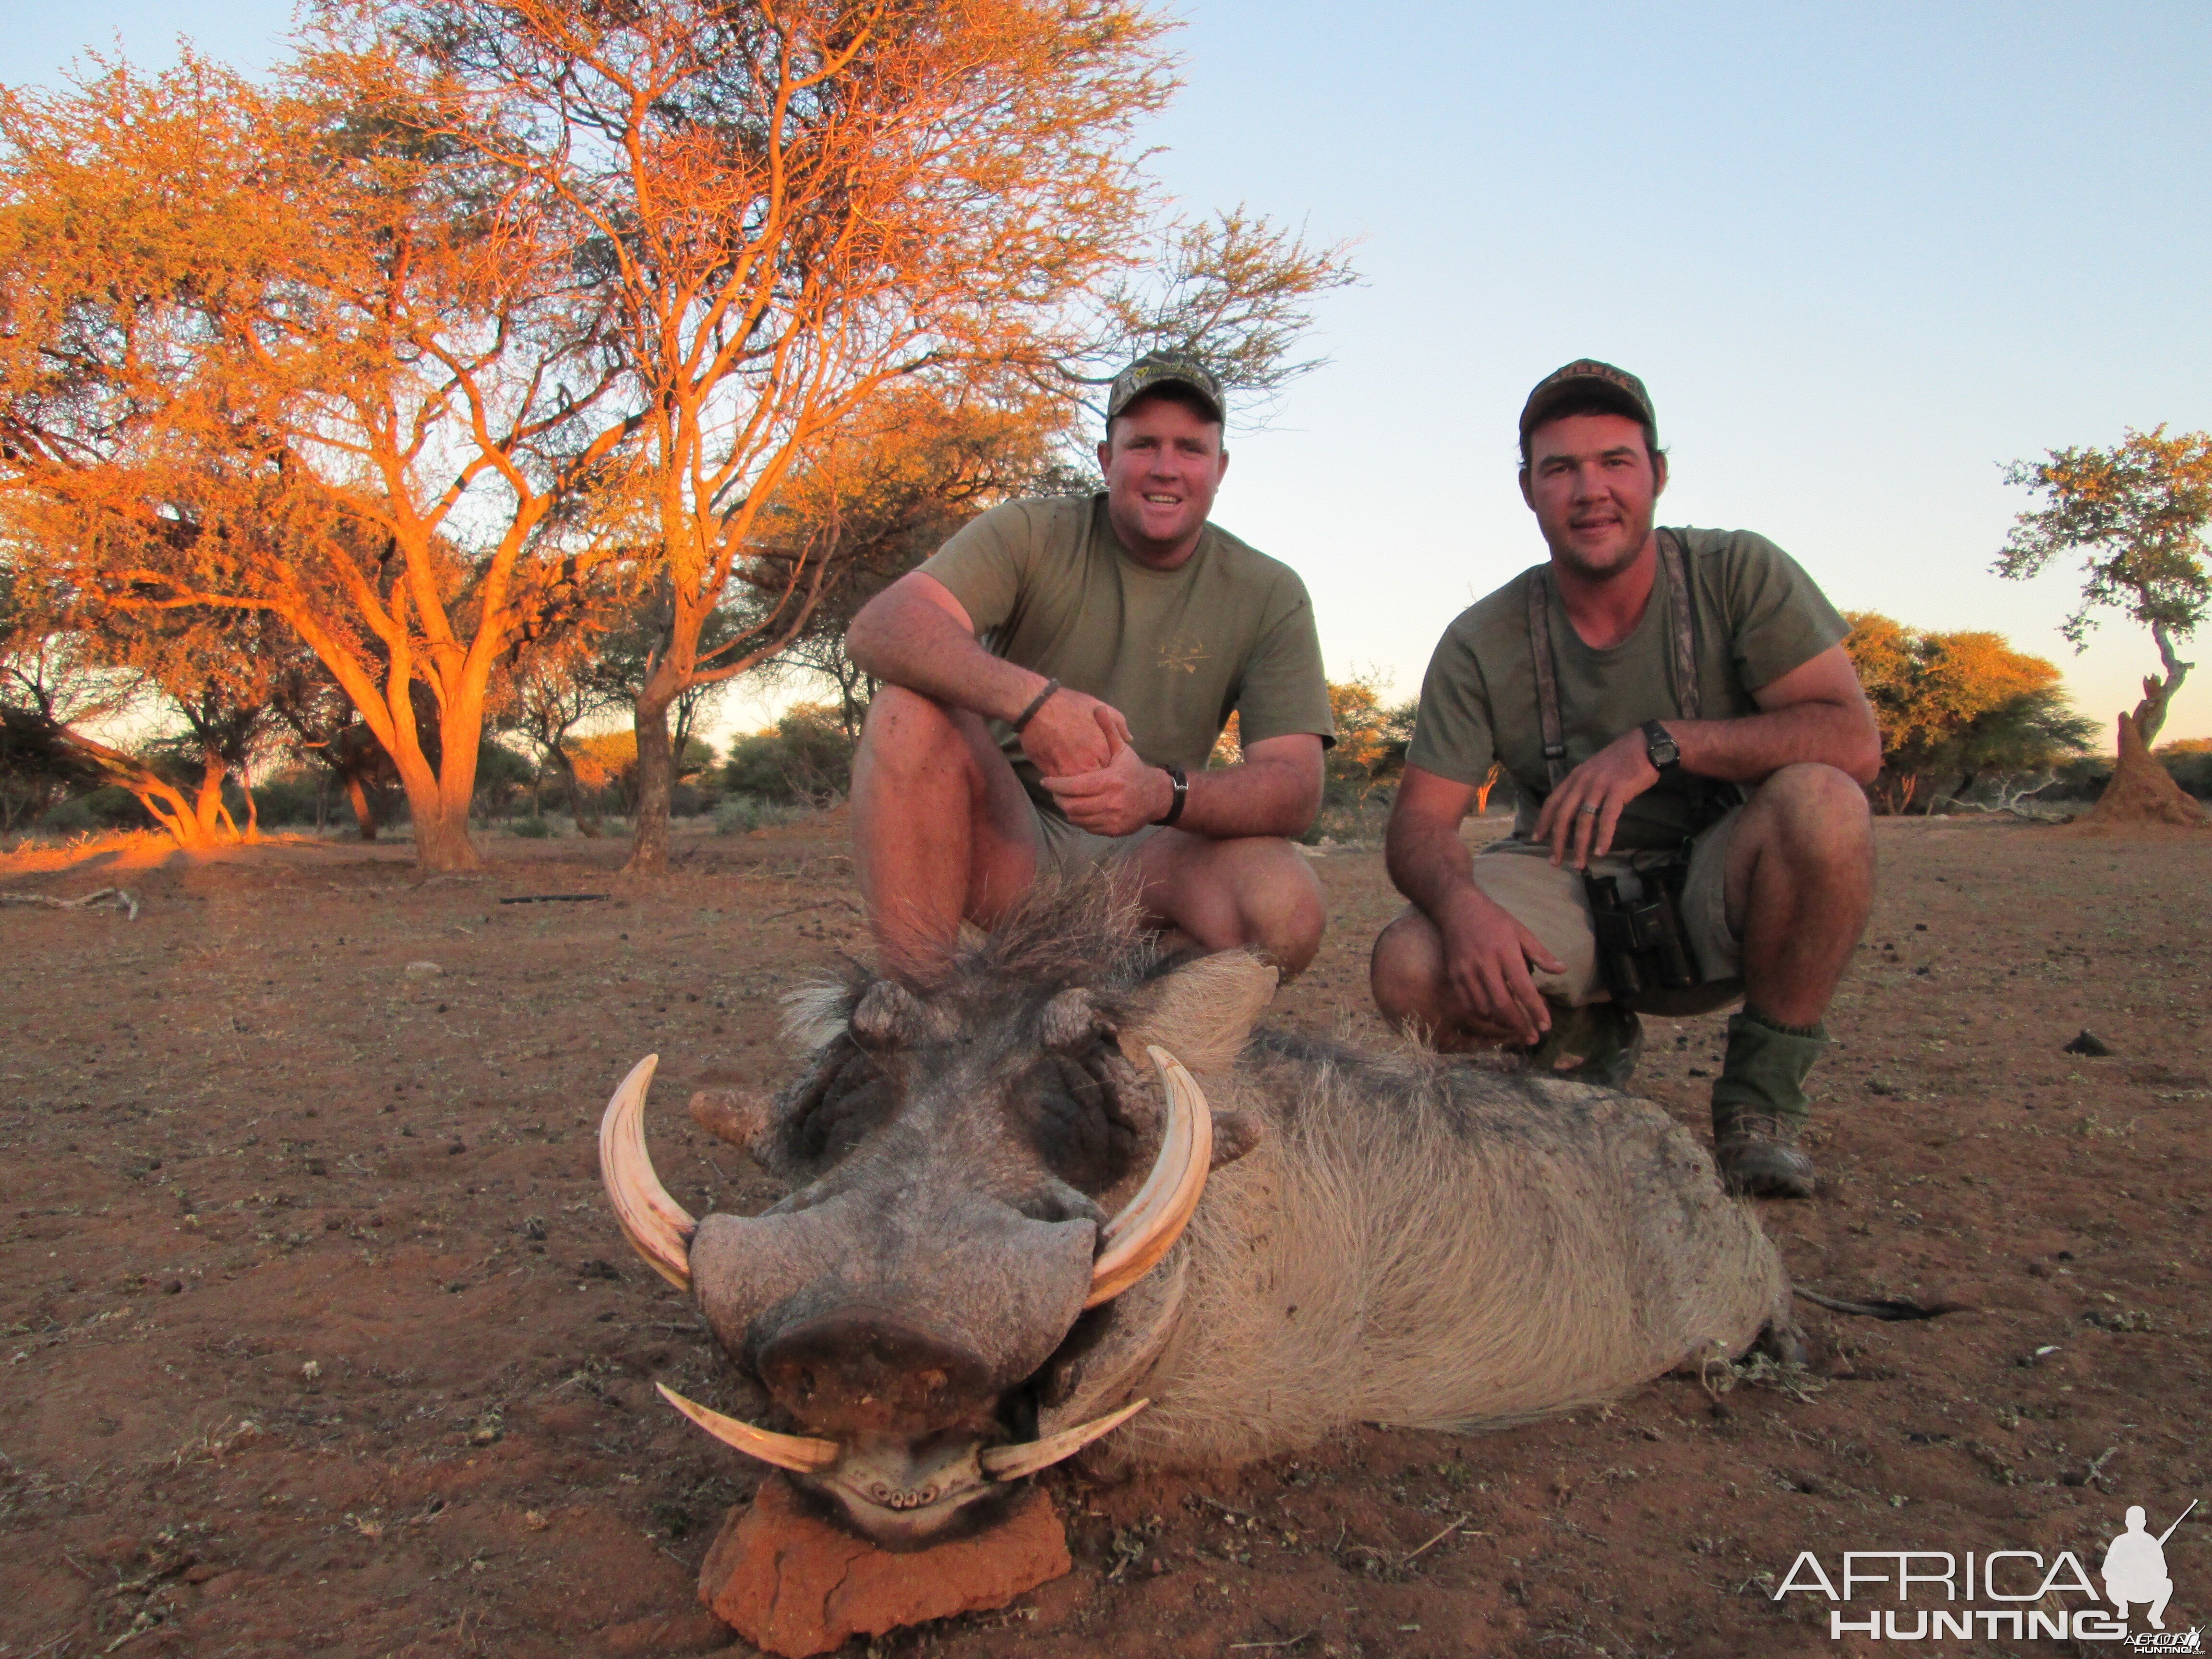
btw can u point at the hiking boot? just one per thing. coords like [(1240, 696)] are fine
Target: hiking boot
[(1757, 1154), (1596, 1042)]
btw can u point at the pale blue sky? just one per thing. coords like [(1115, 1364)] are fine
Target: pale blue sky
[(1862, 254)]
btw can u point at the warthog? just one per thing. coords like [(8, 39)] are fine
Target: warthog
[(1002, 1242)]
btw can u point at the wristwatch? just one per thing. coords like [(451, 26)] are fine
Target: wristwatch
[(1181, 782), (1661, 748)]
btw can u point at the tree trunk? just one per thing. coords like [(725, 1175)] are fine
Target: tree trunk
[(581, 807), (364, 810), (1489, 782), (2142, 791), (656, 772), (207, 807)]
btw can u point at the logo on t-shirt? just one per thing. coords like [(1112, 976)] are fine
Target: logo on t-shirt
[(1185, 653)]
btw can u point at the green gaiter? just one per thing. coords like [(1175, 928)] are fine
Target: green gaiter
[(1766, 1067)]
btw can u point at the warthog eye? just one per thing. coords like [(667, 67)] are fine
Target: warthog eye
[(851, 1097), (1066, 1111)]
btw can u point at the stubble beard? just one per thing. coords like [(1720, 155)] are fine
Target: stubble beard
[(1606, 565)]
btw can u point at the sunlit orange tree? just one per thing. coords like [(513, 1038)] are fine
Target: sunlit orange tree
[(795, 204), (290, 352), (787, 205), (1954, 705)]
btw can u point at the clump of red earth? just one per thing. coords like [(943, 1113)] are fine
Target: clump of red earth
[(793, 1583)]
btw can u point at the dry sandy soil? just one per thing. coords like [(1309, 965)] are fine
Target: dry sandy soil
[(316, 1337)]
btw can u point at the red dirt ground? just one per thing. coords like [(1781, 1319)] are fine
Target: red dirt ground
[(316, 1337)]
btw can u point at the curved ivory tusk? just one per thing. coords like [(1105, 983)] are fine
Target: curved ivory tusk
[(658, 1227), (1012, 1462), (786, 1452), (1149, 1223)]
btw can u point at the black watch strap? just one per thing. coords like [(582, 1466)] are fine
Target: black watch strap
[(1181, 781), (1660, 747)]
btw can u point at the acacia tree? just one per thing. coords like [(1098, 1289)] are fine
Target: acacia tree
[(796, 204), (2136, 513), (290, 353), (891, 485), (1955, 704)]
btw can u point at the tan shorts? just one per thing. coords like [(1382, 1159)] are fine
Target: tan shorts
[(1065, 851), (1551, 903)]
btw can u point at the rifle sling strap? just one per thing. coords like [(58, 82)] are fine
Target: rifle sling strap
[(1682, 639)]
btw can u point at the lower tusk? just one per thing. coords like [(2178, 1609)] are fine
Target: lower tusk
[(1150, 1224), (786, 1452), (1012, 1462), (658, 1227)]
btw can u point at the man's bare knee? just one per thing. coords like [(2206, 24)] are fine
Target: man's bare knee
[(905, 731), (1289, 916), (1818, 814), (1405, 971)]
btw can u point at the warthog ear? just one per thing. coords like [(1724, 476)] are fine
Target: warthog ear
[(1070, 1022), (1202, 1014), (736, 1115)]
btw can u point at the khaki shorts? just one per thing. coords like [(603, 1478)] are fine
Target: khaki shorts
[(1065, 851), (1552, 904)]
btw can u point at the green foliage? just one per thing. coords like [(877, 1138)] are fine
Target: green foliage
[(806, 757), (2191, 763), (743, 814), (535, 829), (2136, 512)]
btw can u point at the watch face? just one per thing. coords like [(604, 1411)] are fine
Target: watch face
[(1661, 748)]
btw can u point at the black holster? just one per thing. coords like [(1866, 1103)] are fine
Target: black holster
[(1642, 944)]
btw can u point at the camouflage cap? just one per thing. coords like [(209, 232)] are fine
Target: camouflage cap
[(1580, 378), (1157, 369)]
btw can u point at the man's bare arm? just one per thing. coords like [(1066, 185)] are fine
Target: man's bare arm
[(1486, 951), (1815, 713), (916, 633), (1275, 792)]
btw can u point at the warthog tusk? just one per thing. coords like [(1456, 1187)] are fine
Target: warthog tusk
[(1012, 1462), (1149, 1223), (658, 1227), (794, 1452)]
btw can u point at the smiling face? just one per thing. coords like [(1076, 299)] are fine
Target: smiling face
[(1594, 485), (1163, 461)]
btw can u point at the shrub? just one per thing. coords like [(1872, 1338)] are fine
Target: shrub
[(536, 829), (805, 757)]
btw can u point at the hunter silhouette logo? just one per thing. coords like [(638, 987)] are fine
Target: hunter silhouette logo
[(2135, 1567)]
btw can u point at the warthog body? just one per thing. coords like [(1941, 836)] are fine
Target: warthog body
[(1385, 1237)]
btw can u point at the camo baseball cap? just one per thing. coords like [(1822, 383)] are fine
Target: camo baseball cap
[(1157, 369), (1579, 378)]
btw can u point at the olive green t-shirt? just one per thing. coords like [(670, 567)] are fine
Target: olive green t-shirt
[(1755, 613), (1048, 586)]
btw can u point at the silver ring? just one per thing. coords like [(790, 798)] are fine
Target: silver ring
[(1587, 809)]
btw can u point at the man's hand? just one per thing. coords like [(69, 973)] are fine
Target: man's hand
[(1073, 734), (1486, 958), (1118, 799), (1579, 816)]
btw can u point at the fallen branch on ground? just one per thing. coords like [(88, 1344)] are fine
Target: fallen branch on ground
[(107, 898)]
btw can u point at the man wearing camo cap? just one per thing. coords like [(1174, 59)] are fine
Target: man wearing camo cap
[(1679, 719), (1055, 678)]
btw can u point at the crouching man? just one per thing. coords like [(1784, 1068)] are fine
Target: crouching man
[(1688, 739), (1055, 678)]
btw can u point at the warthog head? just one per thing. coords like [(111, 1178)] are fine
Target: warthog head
[(981, 1168)]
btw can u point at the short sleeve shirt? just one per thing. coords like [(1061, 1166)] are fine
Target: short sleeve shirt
[(1048, 586), (1755, 615)]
